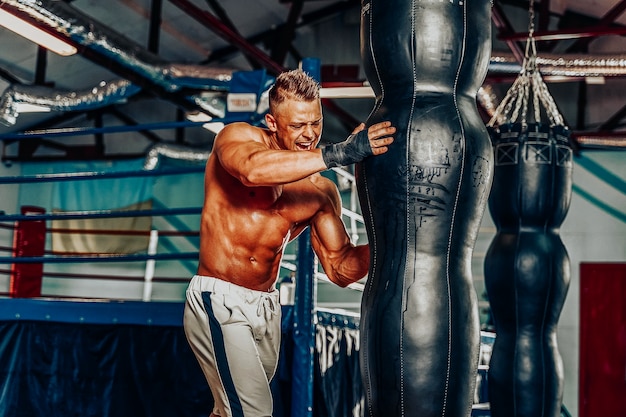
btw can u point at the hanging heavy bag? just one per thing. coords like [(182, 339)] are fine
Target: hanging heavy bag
[(423, 202), (526, 266)]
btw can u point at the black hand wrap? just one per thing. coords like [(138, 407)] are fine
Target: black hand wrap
[(354, 149)]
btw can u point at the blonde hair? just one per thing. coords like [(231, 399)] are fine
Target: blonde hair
[(295, 84)]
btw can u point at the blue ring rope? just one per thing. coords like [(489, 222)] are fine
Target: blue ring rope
[(101, 214), (74, 176), (81, 131), (99, 258)]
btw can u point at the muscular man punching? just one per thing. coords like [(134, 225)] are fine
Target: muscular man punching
[(262, 189)]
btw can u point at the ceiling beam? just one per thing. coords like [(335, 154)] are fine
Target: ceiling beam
[(165, 27), (154, 31), (287, 33), (222, 30), (504, 29), (563, 34), (223, 16), (41, 65), (605, 21), (305, 20), (614, 120), (544, 15)]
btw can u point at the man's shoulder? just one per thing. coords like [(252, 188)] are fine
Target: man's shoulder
[(237, 127), (238, 131)]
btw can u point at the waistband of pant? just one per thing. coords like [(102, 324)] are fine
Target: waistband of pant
[(219, 286)]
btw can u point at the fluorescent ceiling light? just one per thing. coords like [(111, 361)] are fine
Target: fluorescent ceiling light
[(346, 92), (31, 108), (35, 34), (595, 80), (214, 127), (198, 117)]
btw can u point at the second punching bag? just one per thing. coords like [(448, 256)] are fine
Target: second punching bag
[(527, 268), (423, 202)]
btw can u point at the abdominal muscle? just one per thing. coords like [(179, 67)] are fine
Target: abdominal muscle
[(244, 245), (246, 254)]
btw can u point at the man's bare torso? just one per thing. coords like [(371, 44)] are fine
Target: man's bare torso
[(245, 229)]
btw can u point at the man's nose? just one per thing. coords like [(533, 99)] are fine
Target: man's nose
[(309, 131)]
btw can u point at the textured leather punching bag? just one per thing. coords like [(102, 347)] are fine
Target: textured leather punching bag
[(527, 268), (423, 202)]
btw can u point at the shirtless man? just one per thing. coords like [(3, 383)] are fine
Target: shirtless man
[(262, 189)]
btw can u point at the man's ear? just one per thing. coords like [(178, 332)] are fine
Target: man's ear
[(270, 121)]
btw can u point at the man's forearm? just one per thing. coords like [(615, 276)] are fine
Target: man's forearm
[(352, 267), (281, 167)]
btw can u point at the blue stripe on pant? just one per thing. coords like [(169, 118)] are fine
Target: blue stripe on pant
[(220, 356)]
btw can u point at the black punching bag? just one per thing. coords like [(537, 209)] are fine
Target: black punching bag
[(423, 202), (527, 268)]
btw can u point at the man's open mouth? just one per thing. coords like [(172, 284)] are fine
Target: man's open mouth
[(304, 146)]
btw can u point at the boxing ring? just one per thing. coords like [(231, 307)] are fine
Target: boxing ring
[(69, 348)]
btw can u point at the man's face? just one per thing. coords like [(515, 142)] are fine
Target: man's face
[(297, 124)]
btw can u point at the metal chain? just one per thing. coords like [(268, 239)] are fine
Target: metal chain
[(531, 18), (517, 100)]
